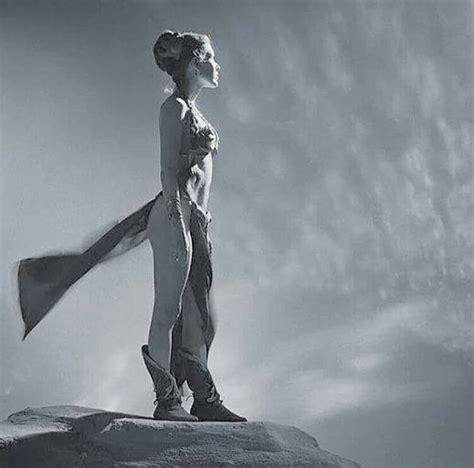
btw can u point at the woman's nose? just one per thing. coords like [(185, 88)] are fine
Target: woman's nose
[(218, 67)]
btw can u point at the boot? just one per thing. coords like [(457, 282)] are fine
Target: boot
[(168, 397), (207, 404)]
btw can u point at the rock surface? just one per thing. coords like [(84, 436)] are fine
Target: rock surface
[(73, 436)]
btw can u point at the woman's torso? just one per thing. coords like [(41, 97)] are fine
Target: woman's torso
[(198, 145)]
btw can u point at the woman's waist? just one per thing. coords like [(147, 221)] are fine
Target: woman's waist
[(199, 208), (195, 186)]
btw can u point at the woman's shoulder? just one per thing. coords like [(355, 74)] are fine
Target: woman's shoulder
[(173, 108)]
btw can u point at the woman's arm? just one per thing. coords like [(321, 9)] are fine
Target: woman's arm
[(172, 114)]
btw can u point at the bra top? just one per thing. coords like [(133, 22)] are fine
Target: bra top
[(198, 137)]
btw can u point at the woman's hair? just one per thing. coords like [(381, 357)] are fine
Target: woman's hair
[(174, 50)]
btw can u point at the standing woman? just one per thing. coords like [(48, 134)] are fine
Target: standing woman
[(176, 223), (182, 326)]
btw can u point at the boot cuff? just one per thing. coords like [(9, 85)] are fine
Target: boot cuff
[(166, 389)]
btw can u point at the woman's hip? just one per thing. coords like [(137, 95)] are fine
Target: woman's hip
[(159, 217), (159, 221)]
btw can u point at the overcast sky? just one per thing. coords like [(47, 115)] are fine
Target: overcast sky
[(342, 206)]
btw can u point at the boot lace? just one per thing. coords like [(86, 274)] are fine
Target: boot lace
[(170, 398)]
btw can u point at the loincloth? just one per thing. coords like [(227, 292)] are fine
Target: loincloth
[(42, 281), (200, 279)]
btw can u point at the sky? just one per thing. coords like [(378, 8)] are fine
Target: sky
[(342, 204)]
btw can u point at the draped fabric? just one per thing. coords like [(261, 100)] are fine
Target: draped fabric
[(200, 278), (42, 281)]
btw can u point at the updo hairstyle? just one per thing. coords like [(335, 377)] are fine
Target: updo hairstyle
[(173, 51)]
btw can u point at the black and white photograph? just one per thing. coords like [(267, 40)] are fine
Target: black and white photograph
[(236, 233)]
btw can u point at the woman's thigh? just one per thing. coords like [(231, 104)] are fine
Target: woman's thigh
[(170, 276)]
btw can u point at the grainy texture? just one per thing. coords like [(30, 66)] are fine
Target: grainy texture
[(59, 436)]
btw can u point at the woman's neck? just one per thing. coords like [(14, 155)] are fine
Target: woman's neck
[(188, 92)]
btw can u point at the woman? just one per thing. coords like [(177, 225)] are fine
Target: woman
[(176, 223)]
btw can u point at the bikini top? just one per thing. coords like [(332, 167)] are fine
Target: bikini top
[(199, 137)]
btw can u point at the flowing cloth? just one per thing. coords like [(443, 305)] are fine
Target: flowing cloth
[(42, 281), (200, 279)]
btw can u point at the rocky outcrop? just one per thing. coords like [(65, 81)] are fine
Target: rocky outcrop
[(72, 436)]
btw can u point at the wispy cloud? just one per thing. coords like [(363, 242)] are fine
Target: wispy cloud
[(341, 201)]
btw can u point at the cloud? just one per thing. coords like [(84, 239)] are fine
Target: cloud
[(341, 203), (355, 365)]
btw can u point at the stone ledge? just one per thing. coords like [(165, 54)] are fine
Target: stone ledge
[(64, 436)]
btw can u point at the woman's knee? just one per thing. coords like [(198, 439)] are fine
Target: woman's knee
[(165, 315)]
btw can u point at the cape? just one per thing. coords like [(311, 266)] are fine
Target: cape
[(42, 281)]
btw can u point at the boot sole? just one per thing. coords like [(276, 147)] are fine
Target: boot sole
[(219, 420), (164, 418)]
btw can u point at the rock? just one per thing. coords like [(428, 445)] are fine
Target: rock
[(72, 436)]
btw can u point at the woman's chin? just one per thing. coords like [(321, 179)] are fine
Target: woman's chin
[(212, 84)]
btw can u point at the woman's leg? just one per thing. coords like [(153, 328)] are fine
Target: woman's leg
[(198, 330), (193, 339), (207, 404), (170, 278)]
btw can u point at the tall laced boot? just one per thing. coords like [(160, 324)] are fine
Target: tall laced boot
[(168, 397), (207, 404)]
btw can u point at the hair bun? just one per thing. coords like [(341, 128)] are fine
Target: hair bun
[(167, 50)]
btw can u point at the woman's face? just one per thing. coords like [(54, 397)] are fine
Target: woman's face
[(208, 67)]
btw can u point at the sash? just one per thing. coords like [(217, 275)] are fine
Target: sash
[(42, 281)]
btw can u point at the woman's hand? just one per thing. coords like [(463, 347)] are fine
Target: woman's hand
[(180, 247)]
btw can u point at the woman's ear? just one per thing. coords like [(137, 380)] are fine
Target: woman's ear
[(195, 64)]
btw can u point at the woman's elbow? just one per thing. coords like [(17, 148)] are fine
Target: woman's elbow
[(169, 175), (168, 172)]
